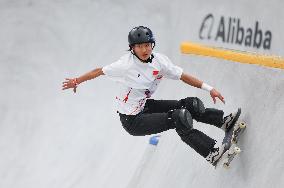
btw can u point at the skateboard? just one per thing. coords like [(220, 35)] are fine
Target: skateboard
[(231, 148)]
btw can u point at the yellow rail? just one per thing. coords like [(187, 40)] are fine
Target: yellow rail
[(232, 55)]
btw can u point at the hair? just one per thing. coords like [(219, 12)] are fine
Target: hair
[(131, 47)]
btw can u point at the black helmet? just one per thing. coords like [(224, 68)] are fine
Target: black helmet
[(139, 35)]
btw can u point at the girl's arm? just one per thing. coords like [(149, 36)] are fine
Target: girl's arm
[(74, 82), (191, 80)]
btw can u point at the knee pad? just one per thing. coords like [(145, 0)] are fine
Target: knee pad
[(193, 104), (182, 119)]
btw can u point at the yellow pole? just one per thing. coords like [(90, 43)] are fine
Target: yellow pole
[(232, 55)]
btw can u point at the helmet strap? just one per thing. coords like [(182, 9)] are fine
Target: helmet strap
[(153, 45)]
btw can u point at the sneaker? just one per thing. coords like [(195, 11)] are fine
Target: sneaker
[(230, 120), (215, 154)]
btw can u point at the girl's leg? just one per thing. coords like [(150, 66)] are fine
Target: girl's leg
[(146, 123), (201, 114), (155, 118), (193, 104), (196, 139), (161, 106), (162, 115)]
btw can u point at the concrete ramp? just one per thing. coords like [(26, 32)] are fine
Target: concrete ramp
[(55, 139)]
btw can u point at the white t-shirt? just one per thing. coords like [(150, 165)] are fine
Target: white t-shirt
[(139, 80)]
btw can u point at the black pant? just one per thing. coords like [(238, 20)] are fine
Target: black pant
[(155, 119)]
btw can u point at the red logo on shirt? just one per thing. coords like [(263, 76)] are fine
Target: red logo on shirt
[(155, 72)]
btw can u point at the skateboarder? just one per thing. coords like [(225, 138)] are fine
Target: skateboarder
[(139, 72)]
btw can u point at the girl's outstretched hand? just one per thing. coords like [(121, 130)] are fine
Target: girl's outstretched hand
[(70, 83), (214, 93)]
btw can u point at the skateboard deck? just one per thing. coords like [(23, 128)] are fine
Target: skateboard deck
[(231, 148)]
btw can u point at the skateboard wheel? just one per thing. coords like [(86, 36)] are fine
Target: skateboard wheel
[(242, 125), (237, 150), (226, 165)]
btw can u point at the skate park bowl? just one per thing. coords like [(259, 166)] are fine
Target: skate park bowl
[(54, 138)]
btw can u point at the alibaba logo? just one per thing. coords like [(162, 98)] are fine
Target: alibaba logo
[(232, 30)]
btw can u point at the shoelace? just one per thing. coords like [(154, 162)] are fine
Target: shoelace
[(211, 156)]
